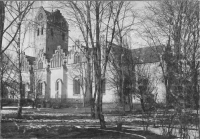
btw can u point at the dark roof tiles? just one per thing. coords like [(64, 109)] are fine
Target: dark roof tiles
[(147, 54)]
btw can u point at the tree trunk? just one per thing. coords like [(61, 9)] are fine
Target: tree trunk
[(99, 106), (198, 108), (19, 111), (142, 104), (1, 87), (92, 103), (2, 18), (130, 102), (89, 85), (83, 100), (97, 62), (123, 96)]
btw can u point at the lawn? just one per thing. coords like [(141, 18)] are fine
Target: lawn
[(70, 131), (61, 132), (67, 123)]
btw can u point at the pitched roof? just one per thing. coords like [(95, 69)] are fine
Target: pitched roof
[(148, 54), (139, 55)]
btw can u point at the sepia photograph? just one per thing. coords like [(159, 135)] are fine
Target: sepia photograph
[(100, 69)]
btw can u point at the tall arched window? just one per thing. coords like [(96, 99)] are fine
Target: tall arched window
[(76, 86), (58, 88), (42, 30), (40, 88)]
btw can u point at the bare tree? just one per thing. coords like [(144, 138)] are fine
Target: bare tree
[(7, 73), (125, 23), (122, 68), (174, 25), (18, 12), (95, 19), (2, 18)]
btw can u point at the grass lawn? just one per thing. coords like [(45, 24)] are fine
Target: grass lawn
[(48, 123), (63, 131)]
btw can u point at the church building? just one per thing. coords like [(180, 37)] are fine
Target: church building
[(56, 74)]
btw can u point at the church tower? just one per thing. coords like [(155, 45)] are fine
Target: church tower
[(50, 31)]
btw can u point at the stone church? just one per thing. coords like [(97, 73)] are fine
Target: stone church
[(55, 73)]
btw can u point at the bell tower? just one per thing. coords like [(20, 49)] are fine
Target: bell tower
[(50, 31)]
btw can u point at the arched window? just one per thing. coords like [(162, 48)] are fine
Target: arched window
[(38, 31), (58, 88), (76, 86), (40, 88), (42, 30), (40, 65), (76, 58)]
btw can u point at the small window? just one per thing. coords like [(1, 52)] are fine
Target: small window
[(63, 36), (51, 31), (42, 30), (38, 32)]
